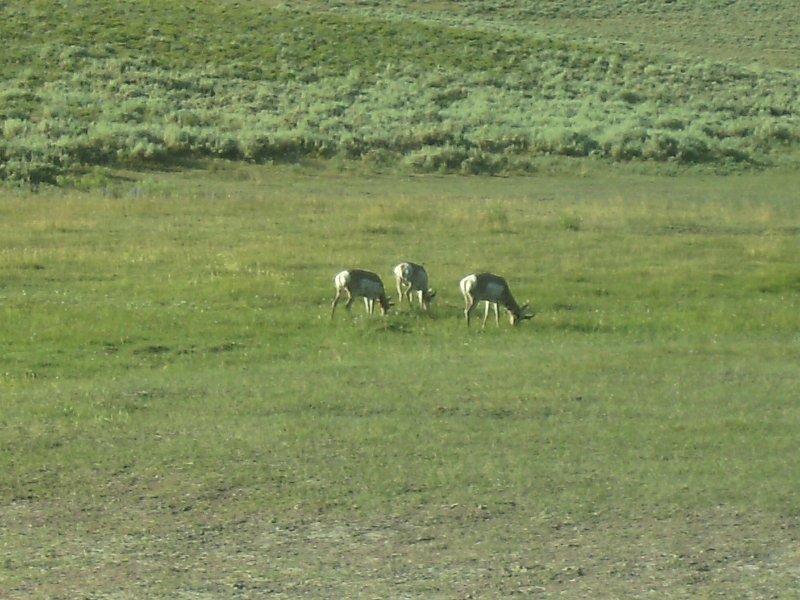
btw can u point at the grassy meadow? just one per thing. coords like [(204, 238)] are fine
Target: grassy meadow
[(181, 416)]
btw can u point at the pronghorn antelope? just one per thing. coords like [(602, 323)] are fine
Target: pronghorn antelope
[(355, 282), (491, 289), (411, 278)]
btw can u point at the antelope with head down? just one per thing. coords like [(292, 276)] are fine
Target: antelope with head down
[(494, 290), (412, 279), (355, 283)]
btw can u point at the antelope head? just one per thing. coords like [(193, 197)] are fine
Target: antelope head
[(519, 315)]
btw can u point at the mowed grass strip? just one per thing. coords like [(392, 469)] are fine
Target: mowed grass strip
[(181, 415)]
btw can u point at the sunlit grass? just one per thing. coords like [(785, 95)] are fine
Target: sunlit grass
[(170, 367)]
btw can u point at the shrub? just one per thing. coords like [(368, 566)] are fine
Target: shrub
[(566, 142), (694, 149), (479, 162), (431, 159), (34, 168), (660, 146), (13, 128), (622, 142)]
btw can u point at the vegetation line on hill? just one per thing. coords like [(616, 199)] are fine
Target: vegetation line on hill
[(114, 84)]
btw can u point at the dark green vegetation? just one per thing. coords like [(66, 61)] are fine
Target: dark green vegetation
[(469, 87), (181, 418)]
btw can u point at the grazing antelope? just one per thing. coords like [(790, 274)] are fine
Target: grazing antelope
[(491, 289), (366, 284), (410, 278)]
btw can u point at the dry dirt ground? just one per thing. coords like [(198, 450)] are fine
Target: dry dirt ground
[(93, 549)]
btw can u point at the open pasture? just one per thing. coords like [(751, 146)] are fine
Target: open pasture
[(182, 418)]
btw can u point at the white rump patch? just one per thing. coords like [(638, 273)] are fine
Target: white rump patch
[(341, 280), (468, 283)]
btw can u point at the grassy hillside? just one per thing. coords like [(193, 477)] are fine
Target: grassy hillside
[(181, 417), (469, 87), (762, 33)]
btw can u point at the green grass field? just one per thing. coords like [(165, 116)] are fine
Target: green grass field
[(181, 417)]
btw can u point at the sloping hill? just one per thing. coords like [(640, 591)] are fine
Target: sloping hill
[(469, 87)]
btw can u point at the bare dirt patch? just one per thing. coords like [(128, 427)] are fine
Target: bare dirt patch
[(449, 551)]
